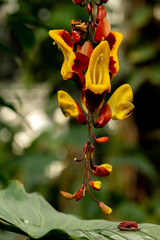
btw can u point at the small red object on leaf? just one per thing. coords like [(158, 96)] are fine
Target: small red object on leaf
[(128, 225)]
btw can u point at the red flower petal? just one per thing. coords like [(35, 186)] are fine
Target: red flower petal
[(111, 40), (67, 38), (86, 48), (79, 194), (103, 117), (98, 34), (80, 63), (102, 31), (112, 68), (100, 171), (77, 36), (81, 117), (100, 139), (94, 100), (128, 225)]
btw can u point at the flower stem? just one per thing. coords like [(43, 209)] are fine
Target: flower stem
[(92, 195)]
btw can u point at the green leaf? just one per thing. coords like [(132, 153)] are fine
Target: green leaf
[(31, 215)]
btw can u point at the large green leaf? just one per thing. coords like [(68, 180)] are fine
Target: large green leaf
[(31, 215)]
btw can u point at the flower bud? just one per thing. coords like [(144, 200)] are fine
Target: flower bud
[(96, 185), (107, 210), (66, 195), (77, 2), (101, 13), (93, 26), (102, 170), (103, 117), (77, 36), (79, 194), (100, 139), (89, 8)]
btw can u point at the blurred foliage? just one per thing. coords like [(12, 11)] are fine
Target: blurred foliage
[(38, 145)]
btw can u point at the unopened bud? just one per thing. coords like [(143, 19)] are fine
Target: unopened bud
[(89, 8), (103, 117), (96, 185), (77, 36), (77, 2), (101, 13), (107, 210), (66, 195), (102, 170), (79, 194)]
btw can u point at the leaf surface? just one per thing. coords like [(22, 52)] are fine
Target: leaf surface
[(32, 215)]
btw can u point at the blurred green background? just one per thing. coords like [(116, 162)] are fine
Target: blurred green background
[(38, 145)]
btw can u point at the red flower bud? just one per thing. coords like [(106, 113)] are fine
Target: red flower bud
[(93, 26), (103, 117), (77, 36), (77, 2), (107, 210), (102, 170), (101, 13), (79, 194), (100, 139), (96, 185), (89, 8), (102, 31)]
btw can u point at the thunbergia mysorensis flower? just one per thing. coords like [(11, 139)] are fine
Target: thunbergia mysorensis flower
[(91, 61)]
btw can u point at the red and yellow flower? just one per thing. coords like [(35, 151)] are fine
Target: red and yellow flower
[(74, 62), (92, 66)]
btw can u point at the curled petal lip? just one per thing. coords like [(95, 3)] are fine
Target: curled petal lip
[(70, 107), (121, 102)]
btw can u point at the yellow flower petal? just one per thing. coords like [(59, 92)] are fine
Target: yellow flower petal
[(107, 166), (69, 55), (120, 102), (70, 107), (97, 184), (97, 75)]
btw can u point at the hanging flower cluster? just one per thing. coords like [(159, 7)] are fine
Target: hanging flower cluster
[(90, 60)]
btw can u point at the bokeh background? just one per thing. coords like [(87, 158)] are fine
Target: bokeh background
[(38, 144)]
